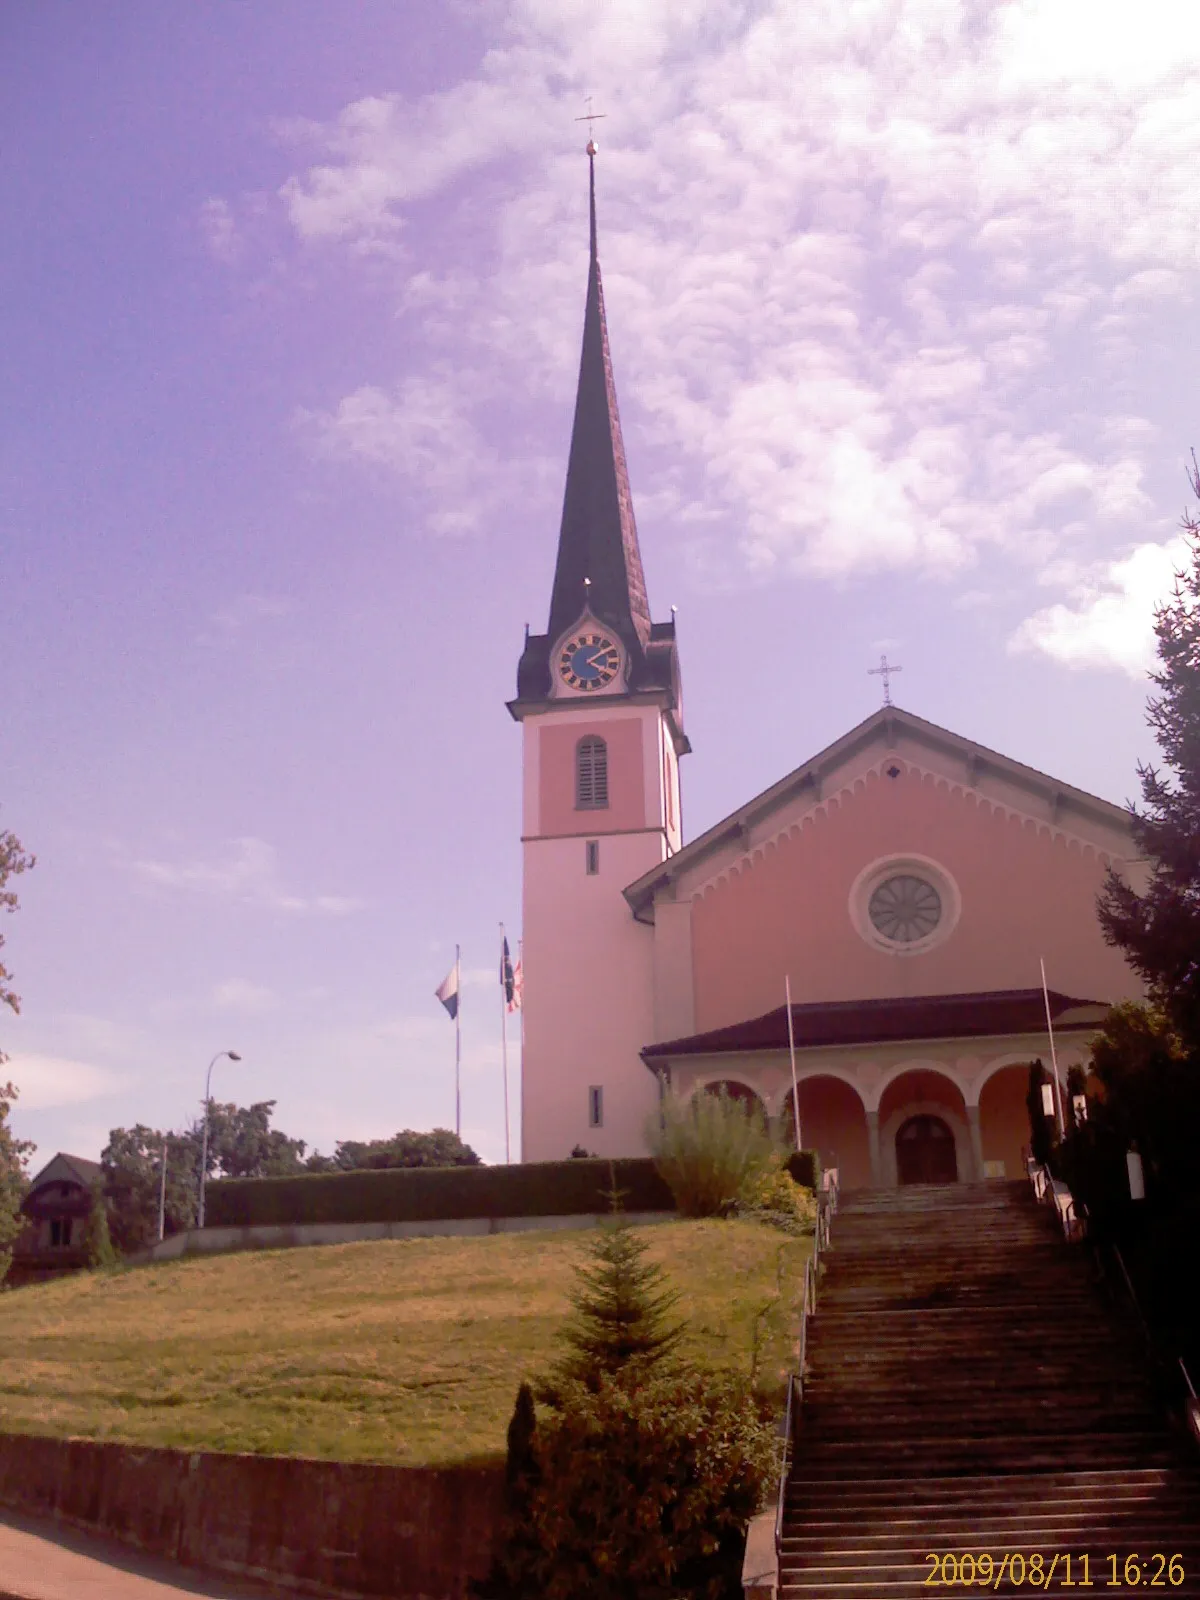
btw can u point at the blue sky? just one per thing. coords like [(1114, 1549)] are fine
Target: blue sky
[(902, 303)]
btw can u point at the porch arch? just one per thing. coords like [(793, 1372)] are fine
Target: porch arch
[(833, 1121), (735, 1089)]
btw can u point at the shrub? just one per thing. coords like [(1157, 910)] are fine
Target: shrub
[(708, 1147), (641, 1490), (428, 1194), (805, 1167), (773, 1196), (1041, 1127)]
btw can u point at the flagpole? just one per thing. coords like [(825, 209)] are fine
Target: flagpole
[(787, 989), (458, 1043), (521, 1013), (1062, 1131), (504, 1037)]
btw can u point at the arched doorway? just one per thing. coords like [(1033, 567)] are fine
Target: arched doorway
[(925, 1151)]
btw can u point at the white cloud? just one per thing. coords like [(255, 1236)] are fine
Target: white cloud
[(245, 612), (845, 250), (45, 1082), (219, 230), (240, 995), (248, 874), (1109, 621)]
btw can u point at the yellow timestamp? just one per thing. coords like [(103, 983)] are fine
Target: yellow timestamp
[(1071, 1570)]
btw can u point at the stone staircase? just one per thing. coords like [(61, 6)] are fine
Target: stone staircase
[(969, 1392)]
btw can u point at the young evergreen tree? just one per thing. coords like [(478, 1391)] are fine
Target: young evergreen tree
[(622, 1308), (97, 1242), (1159, 930)]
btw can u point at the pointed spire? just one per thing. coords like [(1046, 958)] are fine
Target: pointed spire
[(598, 539)]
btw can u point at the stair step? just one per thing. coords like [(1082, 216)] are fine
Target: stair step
[(968, 1387)]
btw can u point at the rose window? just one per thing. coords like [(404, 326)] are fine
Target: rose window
[(905, 908)]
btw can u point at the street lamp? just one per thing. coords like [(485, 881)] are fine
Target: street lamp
[(233, 1056)]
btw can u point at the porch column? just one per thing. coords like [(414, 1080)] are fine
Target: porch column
[(873, 1144), (976, 1139)]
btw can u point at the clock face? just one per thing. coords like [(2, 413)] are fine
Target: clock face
[(589, 661)]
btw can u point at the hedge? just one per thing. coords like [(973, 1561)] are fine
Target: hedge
[(431, 1194), (443, 1194)]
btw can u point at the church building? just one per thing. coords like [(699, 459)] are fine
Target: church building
[(905, 880)]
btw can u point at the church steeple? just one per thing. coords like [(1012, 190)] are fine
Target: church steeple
[(598, 539), (598, 576)]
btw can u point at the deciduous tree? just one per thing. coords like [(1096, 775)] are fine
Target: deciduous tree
[(13, 1179), (13, 1151), (408, 1148)]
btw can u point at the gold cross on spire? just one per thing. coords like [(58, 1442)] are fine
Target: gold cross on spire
[(592, 116), (884, 670)]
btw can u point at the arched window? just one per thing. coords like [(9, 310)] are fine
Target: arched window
[(591, 774)]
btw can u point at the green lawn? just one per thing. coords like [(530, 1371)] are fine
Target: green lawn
[(403, 1351)]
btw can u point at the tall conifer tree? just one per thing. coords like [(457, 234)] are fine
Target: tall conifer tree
[(1159, 930)]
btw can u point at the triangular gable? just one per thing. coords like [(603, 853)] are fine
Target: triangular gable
[(63, 1168), (1003, 782)]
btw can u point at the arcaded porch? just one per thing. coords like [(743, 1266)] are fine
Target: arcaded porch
[(889, 1111)]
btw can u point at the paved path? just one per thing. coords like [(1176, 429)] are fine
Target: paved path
[(41, 1561)]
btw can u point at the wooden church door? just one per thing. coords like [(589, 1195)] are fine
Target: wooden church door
[(925, 1152)]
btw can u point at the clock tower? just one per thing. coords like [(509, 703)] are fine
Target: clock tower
[(600, 707)]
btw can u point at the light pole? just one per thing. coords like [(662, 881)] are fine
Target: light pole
[(162, 1190), (233, 1056)]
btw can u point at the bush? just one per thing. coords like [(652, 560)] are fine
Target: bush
[(805, 1167), (432, 1194), (1041, 1127), (640, 1490), (773, 1196), (707, 1148)]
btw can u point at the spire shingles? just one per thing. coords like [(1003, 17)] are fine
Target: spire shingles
[(598, 539)]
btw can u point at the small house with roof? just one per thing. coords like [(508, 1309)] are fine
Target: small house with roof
[(56, 1210)]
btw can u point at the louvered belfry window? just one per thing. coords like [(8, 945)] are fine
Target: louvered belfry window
[(591, 774)]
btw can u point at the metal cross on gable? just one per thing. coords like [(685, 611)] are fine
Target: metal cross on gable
[(884, 670)]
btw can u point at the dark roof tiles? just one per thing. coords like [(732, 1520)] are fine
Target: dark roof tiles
[(847, 1022)]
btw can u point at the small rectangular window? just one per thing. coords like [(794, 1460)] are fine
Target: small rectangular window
[(592, 855), (595, 1106)]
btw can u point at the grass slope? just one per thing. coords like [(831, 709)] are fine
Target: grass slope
[(403, 1351)]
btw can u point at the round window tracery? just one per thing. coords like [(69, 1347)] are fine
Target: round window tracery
[(905, 908)]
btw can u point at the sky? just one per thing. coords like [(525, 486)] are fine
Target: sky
[(902, 306)]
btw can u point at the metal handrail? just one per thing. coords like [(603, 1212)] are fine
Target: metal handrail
[(785, 1469), (827, 1199)]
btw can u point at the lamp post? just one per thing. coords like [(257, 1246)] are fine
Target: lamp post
[(233, 1056)]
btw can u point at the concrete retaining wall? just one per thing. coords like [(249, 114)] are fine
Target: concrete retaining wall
[(320, 1527), (277, 1236)]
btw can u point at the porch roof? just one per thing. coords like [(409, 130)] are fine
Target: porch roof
[(928, 1016)]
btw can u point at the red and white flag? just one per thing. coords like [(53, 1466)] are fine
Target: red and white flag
[(516, 992)]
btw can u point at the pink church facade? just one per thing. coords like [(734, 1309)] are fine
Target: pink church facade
[(907, 883)]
